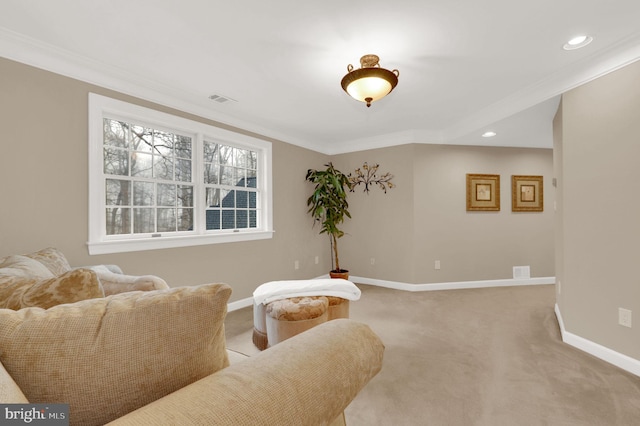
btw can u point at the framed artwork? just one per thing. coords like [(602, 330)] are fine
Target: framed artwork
[(527, 194), (483, 192)]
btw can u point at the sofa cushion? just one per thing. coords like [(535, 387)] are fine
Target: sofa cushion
[(25, 282), (106, 357)]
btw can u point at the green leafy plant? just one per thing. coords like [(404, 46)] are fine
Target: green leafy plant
[(328, 204)]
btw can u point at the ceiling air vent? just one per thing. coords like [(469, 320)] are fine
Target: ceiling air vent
[(221, 99)]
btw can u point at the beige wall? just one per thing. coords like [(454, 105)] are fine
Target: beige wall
[(424, 218), (382, 224), (559, 217), (43, 170), (601, 210), (43, 178)]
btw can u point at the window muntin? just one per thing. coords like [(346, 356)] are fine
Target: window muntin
[(147, 179), (231, 182), (155, 175)]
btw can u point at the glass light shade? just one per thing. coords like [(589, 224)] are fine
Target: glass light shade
[(369, 87), (369, 83)]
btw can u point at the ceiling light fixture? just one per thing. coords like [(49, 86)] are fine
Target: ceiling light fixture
[(489, 134), (370, 82), (577, 42)]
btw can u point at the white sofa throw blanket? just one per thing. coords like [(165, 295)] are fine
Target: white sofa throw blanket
[(277, 290)]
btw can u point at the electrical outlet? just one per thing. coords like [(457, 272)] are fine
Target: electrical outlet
[(317, 260), (373, 260), (296, 265), (437, 265), (624, 317)]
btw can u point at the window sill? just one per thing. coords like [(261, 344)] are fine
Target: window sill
[(120, 246)]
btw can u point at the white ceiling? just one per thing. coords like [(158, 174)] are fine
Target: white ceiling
[(465, 65)]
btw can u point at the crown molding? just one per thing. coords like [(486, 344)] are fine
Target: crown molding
[(596, 65), (384, 141), (26, 50), (32, 52)]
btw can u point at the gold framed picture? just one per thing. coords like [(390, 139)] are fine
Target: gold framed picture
[(527, 194), (483, 192)]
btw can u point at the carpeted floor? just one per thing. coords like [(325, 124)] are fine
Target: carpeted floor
[(486, 357)]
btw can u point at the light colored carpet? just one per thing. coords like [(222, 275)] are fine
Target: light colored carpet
[(476, 357)]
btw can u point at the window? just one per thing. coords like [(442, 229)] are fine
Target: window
[(230, 180), (148, 186), (159, 181)]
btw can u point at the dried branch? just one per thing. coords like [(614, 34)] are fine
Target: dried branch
[(368, 177)]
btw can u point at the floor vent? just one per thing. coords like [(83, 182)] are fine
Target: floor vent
[(521, 272)]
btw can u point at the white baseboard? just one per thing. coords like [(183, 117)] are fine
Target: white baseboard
[(239, 304), (243, 303), (625, 362), (453, 285)]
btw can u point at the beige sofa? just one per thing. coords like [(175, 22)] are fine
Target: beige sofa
[(158, 357)]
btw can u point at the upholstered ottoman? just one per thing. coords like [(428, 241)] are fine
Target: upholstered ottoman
[(260, 326), (287, 317), (338, 308), (338, 292)]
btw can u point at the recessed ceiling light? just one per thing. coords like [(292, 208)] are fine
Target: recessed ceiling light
[(489, 134), (577, 42)]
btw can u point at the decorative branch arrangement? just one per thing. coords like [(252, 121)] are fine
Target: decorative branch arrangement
[(367, 176)]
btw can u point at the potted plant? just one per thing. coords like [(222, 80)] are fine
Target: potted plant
[(328, 206)]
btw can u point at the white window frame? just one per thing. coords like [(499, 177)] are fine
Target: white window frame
[(101, 107)]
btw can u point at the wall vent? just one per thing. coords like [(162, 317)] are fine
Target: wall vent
[(221, 99), (521, 272)]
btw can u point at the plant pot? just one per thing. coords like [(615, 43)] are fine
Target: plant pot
[(342, 273)]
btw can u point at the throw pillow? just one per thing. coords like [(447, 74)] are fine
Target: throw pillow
[(70, 287), (17, 275), (25, 282), (23, 267), (53, 259), (107, 357)]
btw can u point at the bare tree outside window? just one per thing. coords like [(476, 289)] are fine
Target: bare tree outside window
[(149, 186), (157, 180)]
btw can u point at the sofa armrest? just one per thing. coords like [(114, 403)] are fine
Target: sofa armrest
[(114, 268), (114, 283), (10, 392), (308, 379)]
